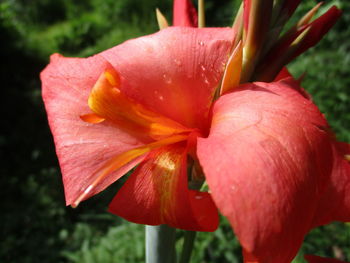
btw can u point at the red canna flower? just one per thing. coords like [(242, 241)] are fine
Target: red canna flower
[(269, 160), (265, 150)]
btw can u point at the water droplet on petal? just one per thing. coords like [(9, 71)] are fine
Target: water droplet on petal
[(177, 62), (167, 78), (149, 49), (201, 43), (205, 79)]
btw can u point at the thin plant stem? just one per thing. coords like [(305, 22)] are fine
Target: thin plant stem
[(201, 13), (187, 246), (160, 244)]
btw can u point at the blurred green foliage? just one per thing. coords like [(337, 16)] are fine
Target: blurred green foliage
[(35, 224)]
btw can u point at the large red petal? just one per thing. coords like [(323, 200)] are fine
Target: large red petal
[(175, 71), (335, 202), (184, 13), (157, 193), (81, 147), (264, 161)]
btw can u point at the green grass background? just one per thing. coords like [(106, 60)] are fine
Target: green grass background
[(35, 224)]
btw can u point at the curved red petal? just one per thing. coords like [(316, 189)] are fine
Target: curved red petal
[(81, 147), (317, 259), (175, 71), (157, 193), (335, 202), (265, 160), (283, 74), (184, 13)]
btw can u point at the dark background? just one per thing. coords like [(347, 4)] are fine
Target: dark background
[(35, 225)]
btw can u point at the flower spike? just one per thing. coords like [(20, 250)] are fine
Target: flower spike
[(277, 64), (319, 28), (257, 14), (304, 34), (297, 29)]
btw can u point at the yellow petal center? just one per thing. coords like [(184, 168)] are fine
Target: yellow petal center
[(109, 103)]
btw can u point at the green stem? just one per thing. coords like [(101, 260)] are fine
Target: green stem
[(187, 246), (160, 244)]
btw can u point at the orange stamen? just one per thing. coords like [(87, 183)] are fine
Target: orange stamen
[(107, 101)]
